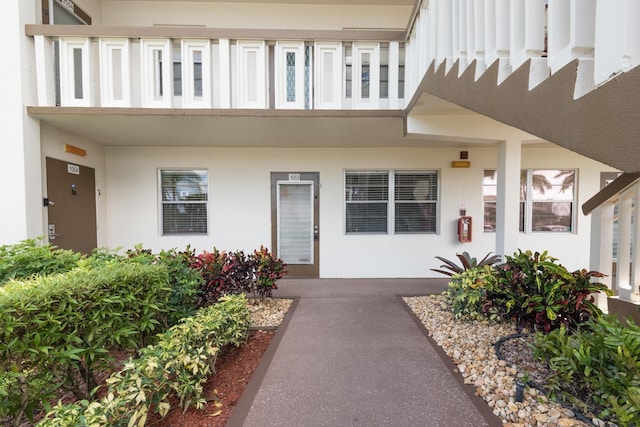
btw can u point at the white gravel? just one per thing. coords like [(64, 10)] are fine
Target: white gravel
[(268, 312), (470, 346)]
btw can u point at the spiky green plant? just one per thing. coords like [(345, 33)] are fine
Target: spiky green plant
[(466, 263)]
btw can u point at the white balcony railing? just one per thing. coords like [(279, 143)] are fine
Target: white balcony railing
[(620, 230), (601, 34), (97, 67), (209, 68)]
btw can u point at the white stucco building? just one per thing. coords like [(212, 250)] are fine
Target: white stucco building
[(344, 135)]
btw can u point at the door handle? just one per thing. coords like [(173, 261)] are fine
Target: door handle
[(47, 202), (316, 232), (52, 232)]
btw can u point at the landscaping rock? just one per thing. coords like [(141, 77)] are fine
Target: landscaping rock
[(470, 344)]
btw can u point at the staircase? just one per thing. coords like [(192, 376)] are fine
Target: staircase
[(565, 71)]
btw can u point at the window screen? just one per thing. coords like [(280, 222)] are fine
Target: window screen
[(416, 197), (184, 201), (411, 196), (366, 196)]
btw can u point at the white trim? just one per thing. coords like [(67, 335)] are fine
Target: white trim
[(155, 53), (189, 50), (45, 78), (328, 75), (109, 75), (281, 52), (225, 72), (635, 272), (371, 102), (393, 75), (67, 72), (251, 73)]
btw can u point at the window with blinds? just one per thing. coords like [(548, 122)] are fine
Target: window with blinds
[(367, 198), (409, 198), (184, 201), (416, 198)]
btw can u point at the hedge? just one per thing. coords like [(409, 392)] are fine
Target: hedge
[(179, 363), (56, 331)]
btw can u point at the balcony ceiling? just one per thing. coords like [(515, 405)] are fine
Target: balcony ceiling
[(227, 128)]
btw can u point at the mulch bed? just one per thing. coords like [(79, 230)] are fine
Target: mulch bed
[(234, 368)]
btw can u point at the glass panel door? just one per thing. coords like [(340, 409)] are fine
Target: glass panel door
[(295, 222)]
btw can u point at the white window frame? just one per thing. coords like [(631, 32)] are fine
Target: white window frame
[(162, 202), (529, 201), (391, 200)]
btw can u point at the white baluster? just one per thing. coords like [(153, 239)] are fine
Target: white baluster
[(283, 98), (251, 74), (328, 75), (45, 71), (366, 85), (115, 72), (571, 31), (194, 95), (75, 72), (224, 70), (156, 66)]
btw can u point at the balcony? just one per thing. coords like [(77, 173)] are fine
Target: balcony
[(204, 68)]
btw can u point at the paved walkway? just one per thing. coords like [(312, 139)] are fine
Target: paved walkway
[(350, 353)]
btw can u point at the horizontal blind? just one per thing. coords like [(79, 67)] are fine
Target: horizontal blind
[(295, 223), (366, 196), (184, 201), (416, 196)]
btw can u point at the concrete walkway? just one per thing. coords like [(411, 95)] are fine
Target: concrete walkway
[(350, 353)]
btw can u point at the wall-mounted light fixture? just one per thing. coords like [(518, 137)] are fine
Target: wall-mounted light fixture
[(75, 150), (463, 162)]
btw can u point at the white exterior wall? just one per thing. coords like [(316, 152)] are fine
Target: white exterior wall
[(240, 210), (93, 8), (20, 204), (253, 15), (53, 141)]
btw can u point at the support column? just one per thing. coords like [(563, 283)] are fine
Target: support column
[(508, 197), (21, 211)]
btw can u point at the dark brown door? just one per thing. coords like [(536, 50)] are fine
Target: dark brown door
[(295, 201), (71, 199)]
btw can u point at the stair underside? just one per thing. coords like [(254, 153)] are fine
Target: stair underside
[(603, 125)]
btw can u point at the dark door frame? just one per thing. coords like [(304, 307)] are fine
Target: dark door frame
[(300, 270)]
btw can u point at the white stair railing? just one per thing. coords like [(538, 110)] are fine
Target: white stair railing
[(602, 35), (619, 235)]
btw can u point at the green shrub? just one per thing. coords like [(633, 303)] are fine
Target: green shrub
[(178, 364), (267, 270), (184, 281), (466, 292), (232, 273), (541, 294), (600, 360), (56, 331), (466, 263), (30, 257)]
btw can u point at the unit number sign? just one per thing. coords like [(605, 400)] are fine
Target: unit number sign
[(74, 169)]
